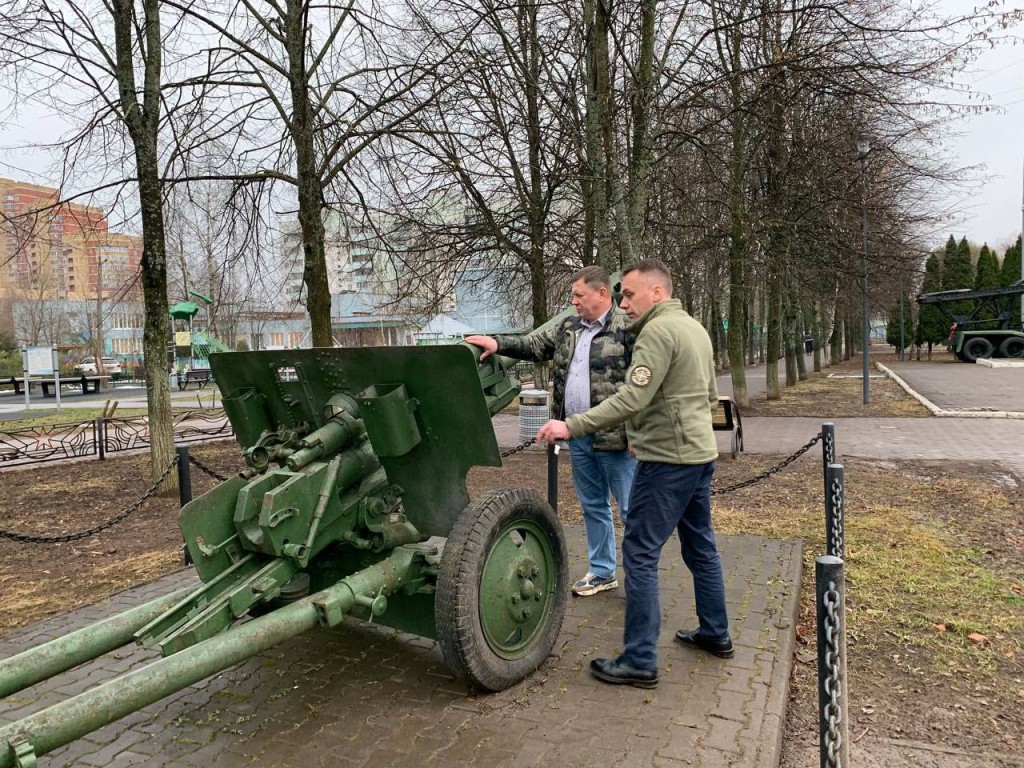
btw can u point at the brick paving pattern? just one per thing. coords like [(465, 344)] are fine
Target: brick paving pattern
[(370, 696)]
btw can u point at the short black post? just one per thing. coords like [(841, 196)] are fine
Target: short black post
[(553, 476), (184, 475), (833, 714), (828, 449), (184, 489), (835, 509), (101, 437)]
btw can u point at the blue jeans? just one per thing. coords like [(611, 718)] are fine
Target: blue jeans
[(595, 474), (666, 498)]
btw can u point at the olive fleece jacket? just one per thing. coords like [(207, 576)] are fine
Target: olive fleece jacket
[(669, 395)]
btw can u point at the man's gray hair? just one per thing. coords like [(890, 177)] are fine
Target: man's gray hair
[(594, 276)]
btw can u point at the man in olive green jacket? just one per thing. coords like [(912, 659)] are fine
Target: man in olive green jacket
[(667, 404)]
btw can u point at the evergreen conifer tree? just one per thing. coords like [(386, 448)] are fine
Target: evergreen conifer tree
[(958, 273), (986, 275), (892, 328), (932, 325), (1011, 273), (986, 272)]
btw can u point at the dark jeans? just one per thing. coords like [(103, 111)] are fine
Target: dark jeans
[(667, 498)]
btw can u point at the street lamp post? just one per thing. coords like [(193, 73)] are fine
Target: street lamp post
[(863, 147)]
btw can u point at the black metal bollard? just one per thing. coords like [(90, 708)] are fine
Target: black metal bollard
[(184, 475), (184, 489), (835, 509), (833, 713), (553, 477), (101, 438), (828, 449)]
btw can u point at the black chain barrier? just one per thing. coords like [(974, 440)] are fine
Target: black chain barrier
[(833, 711), (203, 468), (769, 472), (517, 449), (65, 537)]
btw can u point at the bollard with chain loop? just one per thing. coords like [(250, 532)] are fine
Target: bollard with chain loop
[(833, 713), (184, 476), (828, 449), (835, 510), (65, 537)]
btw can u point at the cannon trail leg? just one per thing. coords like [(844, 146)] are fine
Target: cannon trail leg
[(69, 720), (64, 653)]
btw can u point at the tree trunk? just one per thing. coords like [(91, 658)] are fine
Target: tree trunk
[(310, 185), (598, 115), (774, 331), (789, 340), (143, 125)]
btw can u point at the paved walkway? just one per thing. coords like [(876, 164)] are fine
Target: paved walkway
[(956, 386), (365, 696)]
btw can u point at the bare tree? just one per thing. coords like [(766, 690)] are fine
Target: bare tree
[(105, 61)]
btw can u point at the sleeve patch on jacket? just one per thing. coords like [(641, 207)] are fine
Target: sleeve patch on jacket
[(640, 376)]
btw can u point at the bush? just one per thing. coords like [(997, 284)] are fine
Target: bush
[(10, 363)]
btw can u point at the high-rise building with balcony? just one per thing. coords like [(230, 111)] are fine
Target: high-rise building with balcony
[(61, 251)]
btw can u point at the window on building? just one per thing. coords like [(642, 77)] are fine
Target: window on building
[(277, 339), (295, 339), (256, 340)]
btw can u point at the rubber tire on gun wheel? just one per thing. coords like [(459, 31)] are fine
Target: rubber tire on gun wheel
[(488, 559), (1012, 346), (976, 348)]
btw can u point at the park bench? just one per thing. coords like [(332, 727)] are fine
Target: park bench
[(48, 385), (727, 419), (87, 383), (19, 383), (200, 376)]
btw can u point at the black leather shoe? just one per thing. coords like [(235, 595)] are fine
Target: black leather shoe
[(695, 639), (618, 672)]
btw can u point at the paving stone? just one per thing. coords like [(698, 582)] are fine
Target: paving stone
[(340, 697)]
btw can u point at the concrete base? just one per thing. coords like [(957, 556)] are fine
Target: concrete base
[(1000, 363)]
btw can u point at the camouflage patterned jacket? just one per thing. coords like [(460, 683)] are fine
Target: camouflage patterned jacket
[(611, 352)]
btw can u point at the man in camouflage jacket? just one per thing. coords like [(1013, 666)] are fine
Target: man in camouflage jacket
[(592, 353)]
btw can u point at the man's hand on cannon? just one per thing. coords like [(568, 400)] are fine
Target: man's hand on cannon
[(486, 343)]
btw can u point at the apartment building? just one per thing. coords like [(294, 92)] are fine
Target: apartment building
[(62, 252)]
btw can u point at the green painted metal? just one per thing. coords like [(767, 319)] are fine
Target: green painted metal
[(71, 719), (44, 661), (356, 459), (450, 411), (184, 310), (516, 588)]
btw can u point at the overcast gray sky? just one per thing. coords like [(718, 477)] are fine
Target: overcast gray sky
[(992, 142)]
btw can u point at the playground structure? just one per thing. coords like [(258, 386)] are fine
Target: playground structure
[(192, 348), (987, 328)]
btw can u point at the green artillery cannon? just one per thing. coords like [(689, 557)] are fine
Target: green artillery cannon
[(353, 503)]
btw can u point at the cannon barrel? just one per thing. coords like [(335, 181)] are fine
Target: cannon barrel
[(62, 723)]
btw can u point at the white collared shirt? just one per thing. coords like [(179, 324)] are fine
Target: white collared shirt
[(577, 378)]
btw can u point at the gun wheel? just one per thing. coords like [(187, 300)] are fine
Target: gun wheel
[(502, 588)]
